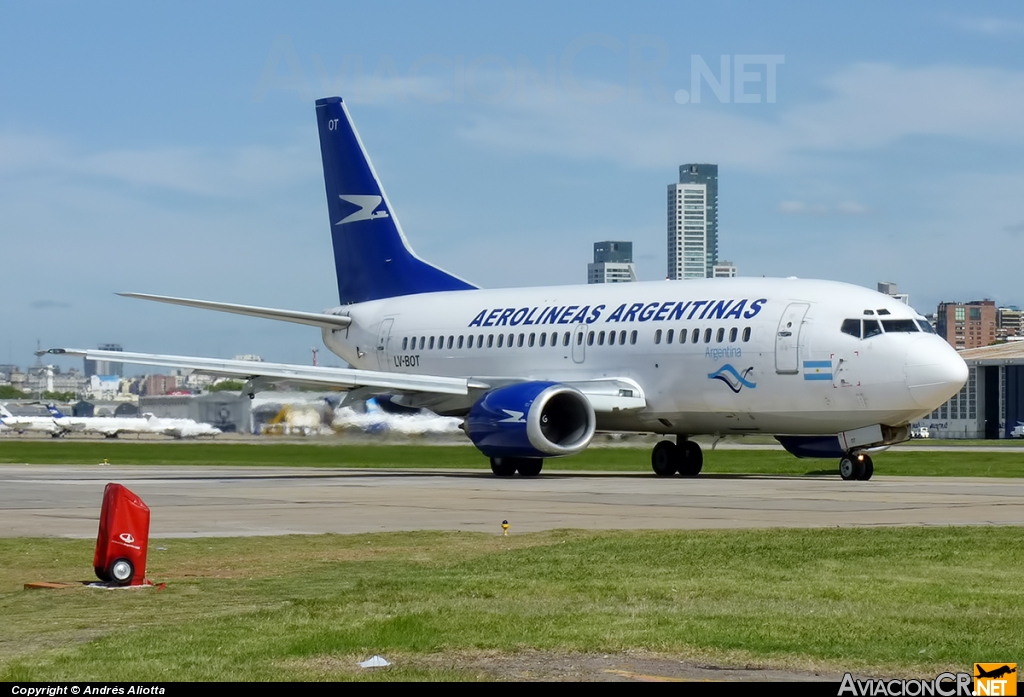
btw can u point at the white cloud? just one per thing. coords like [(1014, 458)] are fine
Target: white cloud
[(227, 172), (869, 106), (991, 26), (841, 208)]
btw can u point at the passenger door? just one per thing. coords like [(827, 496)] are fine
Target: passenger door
[(787, 339), (383, 337)]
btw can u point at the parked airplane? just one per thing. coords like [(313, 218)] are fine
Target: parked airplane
[(114, 426), (830, 369), (180, 428), (31, 424)]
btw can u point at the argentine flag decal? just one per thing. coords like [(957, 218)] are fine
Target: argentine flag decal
[(818, 370)]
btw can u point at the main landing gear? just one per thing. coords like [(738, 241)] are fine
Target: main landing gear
[(856, 466), (507, 466), (684, 457)]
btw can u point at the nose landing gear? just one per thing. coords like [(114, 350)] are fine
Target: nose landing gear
[(856, 466)]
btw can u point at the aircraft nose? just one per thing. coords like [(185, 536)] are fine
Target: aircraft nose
[(935, 372)]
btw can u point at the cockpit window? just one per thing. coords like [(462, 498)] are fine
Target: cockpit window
[(869, 312), (883, 311), (851, 327), (900, 325), (926, 326), (871, 328)]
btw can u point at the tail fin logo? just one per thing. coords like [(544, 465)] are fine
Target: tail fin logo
[(368, 206)]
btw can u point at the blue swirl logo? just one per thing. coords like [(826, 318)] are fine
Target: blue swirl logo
[(733, 378)]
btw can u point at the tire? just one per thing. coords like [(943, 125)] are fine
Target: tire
[(869, 469), (850, 468), (529, 466), (102, 574), (692, 460), (503, 466), (121, 572), (665, 459)]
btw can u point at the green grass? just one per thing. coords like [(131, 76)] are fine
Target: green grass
[(892, 601), (894, 462)]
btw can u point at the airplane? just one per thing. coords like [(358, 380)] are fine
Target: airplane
[(114, 426), (180, 428), (830, 369), (31, 424)]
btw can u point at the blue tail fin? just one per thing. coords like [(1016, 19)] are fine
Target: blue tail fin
[(54, 411), (372, 258)]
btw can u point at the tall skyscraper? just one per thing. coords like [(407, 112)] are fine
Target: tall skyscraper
[(693, 222), (613, 263)]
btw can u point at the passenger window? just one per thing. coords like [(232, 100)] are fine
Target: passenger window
[(590, 339), (707, 335), (720, 337), (851, 327), (565, 339), (490, 340), (871, 328), (533, 338), (611, 338), (669, 336), (746, 333), (682, 336), (696, 336), (431, 342), (520, 342), (511, 340), (732, 335), (657, 337), (461, 338), (600, 339), (451, 340), (622, 338), (579, 339), (501, 340), (405, 342)]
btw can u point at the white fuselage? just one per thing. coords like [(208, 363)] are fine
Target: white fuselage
[(756, 356)]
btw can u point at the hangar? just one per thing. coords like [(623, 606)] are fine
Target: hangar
[(991, 404)]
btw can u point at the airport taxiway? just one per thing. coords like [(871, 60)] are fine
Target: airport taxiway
[(64, 500)]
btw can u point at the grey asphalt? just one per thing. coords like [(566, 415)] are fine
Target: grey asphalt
[(63, 500)]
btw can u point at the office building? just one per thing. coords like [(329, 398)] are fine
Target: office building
[(613, 263), (889, 288), (104, 367), (723, 269), (967, 325), (1010, 323), (693, 222)]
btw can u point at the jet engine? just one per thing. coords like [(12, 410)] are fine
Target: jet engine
[(531, 420)]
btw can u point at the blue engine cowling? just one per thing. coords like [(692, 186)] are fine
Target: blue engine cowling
[(531, 419)]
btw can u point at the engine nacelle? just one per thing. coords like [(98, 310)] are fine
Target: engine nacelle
[(531, 419)]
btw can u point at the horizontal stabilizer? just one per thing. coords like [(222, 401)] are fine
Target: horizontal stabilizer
[(320, 376), (315, 319)]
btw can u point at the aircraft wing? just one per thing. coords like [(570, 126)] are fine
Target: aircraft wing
[(318, 376)]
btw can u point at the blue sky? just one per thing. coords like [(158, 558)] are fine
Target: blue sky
[(173, 150)]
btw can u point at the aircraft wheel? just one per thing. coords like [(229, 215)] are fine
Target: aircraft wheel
[(529, 466), (850, 468), (503, 466), (692, 460), (869, 469), (102, 574), (121, 572), (665, 459)]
